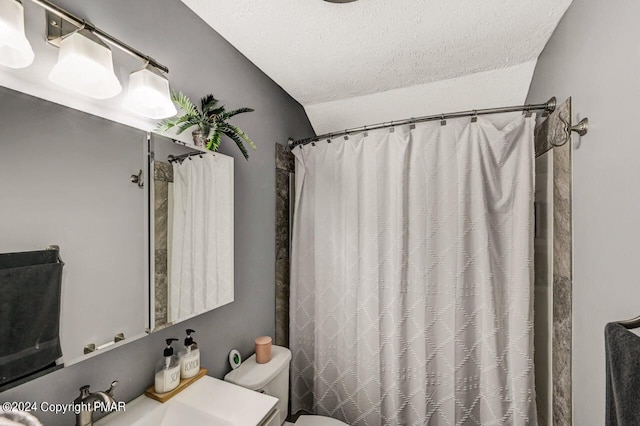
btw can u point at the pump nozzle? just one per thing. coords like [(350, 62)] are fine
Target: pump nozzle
[(188, 341), (168, 351)]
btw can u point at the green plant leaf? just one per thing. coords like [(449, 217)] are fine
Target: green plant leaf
[(166, 124), (190, 117), (214, 142), (242, 134), (238, 140), (186, 125), (208, 104), (230, 114), (185, 104)]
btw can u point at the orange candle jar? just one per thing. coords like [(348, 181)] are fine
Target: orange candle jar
[(263, 349)]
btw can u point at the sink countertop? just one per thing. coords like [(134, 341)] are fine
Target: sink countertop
[(228, 404)]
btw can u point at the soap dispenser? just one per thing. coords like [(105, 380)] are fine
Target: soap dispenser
[(190, 358), (168, 370)]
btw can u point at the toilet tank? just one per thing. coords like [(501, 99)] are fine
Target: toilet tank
[(271, 378)]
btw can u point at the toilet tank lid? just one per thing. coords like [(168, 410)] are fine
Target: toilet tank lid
[(255, 376)]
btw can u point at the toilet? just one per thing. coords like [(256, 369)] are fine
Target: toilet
[(272, 379)]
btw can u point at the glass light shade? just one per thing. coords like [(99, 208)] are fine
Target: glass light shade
[(148, 94), (15, 49), (85, 66)]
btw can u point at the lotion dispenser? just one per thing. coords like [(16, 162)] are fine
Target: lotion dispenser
[(190, 358), (168, 370)]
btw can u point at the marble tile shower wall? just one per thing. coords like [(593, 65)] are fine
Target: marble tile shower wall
[(562, 285), (554, 133), (163, 175), (285, 165)]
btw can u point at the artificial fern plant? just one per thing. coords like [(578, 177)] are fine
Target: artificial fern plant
[(211, 120)]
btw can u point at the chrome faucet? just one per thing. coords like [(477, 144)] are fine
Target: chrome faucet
[(85, 403)]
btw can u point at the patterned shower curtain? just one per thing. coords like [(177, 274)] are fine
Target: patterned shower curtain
[(201, 263), (411, 287)]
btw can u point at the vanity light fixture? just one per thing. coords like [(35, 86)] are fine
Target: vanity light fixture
[(148, 94), (15, 49), (85, 66), (85, 62)]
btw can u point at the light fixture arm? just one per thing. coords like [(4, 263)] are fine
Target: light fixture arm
[(79, 22)]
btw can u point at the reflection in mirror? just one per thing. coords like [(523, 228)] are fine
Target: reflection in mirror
[(38, 273), (192, 223), (65, 180)]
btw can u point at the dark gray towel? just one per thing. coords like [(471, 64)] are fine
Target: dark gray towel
[(622, 349), (30, 288)]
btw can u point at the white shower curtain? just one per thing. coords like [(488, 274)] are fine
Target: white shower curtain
[(411, 286), (202, 236)]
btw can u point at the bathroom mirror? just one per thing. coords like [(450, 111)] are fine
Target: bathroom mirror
[(66, 180), (77, 181), (192, 232)]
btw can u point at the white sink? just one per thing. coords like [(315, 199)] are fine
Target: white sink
[(178, 413), (208, 401)]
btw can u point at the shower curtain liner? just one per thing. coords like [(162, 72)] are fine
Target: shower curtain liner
[(411, 295)]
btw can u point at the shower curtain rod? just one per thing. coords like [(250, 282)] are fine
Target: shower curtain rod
[(174, 158), (548, 107)]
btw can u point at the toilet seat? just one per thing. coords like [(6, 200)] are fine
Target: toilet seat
[(318, 421)]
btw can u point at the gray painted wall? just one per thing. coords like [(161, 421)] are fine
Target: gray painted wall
[(594, 56), (200, 62)]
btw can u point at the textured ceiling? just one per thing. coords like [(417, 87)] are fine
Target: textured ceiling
[(379, 60), (320, 52), (487, 89)]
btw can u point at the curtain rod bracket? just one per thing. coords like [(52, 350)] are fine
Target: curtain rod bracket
[(581, 128), (551, 105)]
